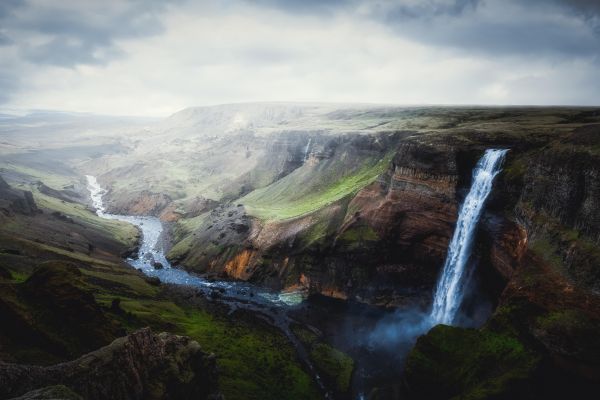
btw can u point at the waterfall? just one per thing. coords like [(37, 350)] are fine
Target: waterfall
[(306, 150), (449, 291)]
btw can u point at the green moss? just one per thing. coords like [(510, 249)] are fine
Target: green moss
[(334, 365), (256, 363), (126, 281), (254, 360), (468, 363), (358, 237), (19, 276), (563, 320)]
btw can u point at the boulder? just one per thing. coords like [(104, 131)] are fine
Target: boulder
[(142, 365)]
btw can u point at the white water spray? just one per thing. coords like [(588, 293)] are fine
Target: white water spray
[(306, 150), (449, 292)]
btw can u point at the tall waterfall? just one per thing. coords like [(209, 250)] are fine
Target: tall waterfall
[(306, 150), (450, 287)]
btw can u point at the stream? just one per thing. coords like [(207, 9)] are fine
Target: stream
[(271, 306)]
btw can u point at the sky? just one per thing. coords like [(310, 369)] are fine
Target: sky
[(155, 57)]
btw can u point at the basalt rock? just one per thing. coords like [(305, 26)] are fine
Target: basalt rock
[(142, 365)]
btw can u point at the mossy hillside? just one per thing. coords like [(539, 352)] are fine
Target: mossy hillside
[(310, 188), (334, 365), (29, 174), (453, 362), (325, 223), (255, 361), (52, 316), (122, 231), (184, 237)]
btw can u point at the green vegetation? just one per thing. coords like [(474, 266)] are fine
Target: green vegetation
[(122, 231), (358, 237), (335, 366), (471, 364), (563, 319), (255, 361), (55, 180), (308, 189)]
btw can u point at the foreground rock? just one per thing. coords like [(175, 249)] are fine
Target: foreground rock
[(142, 365)]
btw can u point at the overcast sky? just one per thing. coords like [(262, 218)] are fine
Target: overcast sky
[(141, 57)]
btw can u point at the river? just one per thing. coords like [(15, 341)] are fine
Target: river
[(151, 252)]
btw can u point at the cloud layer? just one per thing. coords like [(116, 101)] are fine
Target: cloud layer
[(143, 57)]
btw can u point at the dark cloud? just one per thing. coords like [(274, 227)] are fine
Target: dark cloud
[(537, 27), (76, 35), (403, 11), (590, 8), (304, 6), (515, 28)]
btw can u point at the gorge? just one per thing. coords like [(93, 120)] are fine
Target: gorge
[(304, 245)]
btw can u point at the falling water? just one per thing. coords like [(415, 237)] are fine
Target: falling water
[(449, 292), (306, 150)]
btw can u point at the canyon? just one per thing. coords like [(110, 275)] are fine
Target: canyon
[(353, 207)]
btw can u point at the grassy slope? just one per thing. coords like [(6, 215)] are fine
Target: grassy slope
[(309, 188)]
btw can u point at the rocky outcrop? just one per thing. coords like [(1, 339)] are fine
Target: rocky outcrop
[(15, 200), (142, 365), (137, 203)]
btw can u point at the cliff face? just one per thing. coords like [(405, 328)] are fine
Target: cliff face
[(382, 243), (142, 365)]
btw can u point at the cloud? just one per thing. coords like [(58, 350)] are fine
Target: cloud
[(559, 28), (69, 33), (153, 58)]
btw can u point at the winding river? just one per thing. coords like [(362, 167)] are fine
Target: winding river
[(151, 253)]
